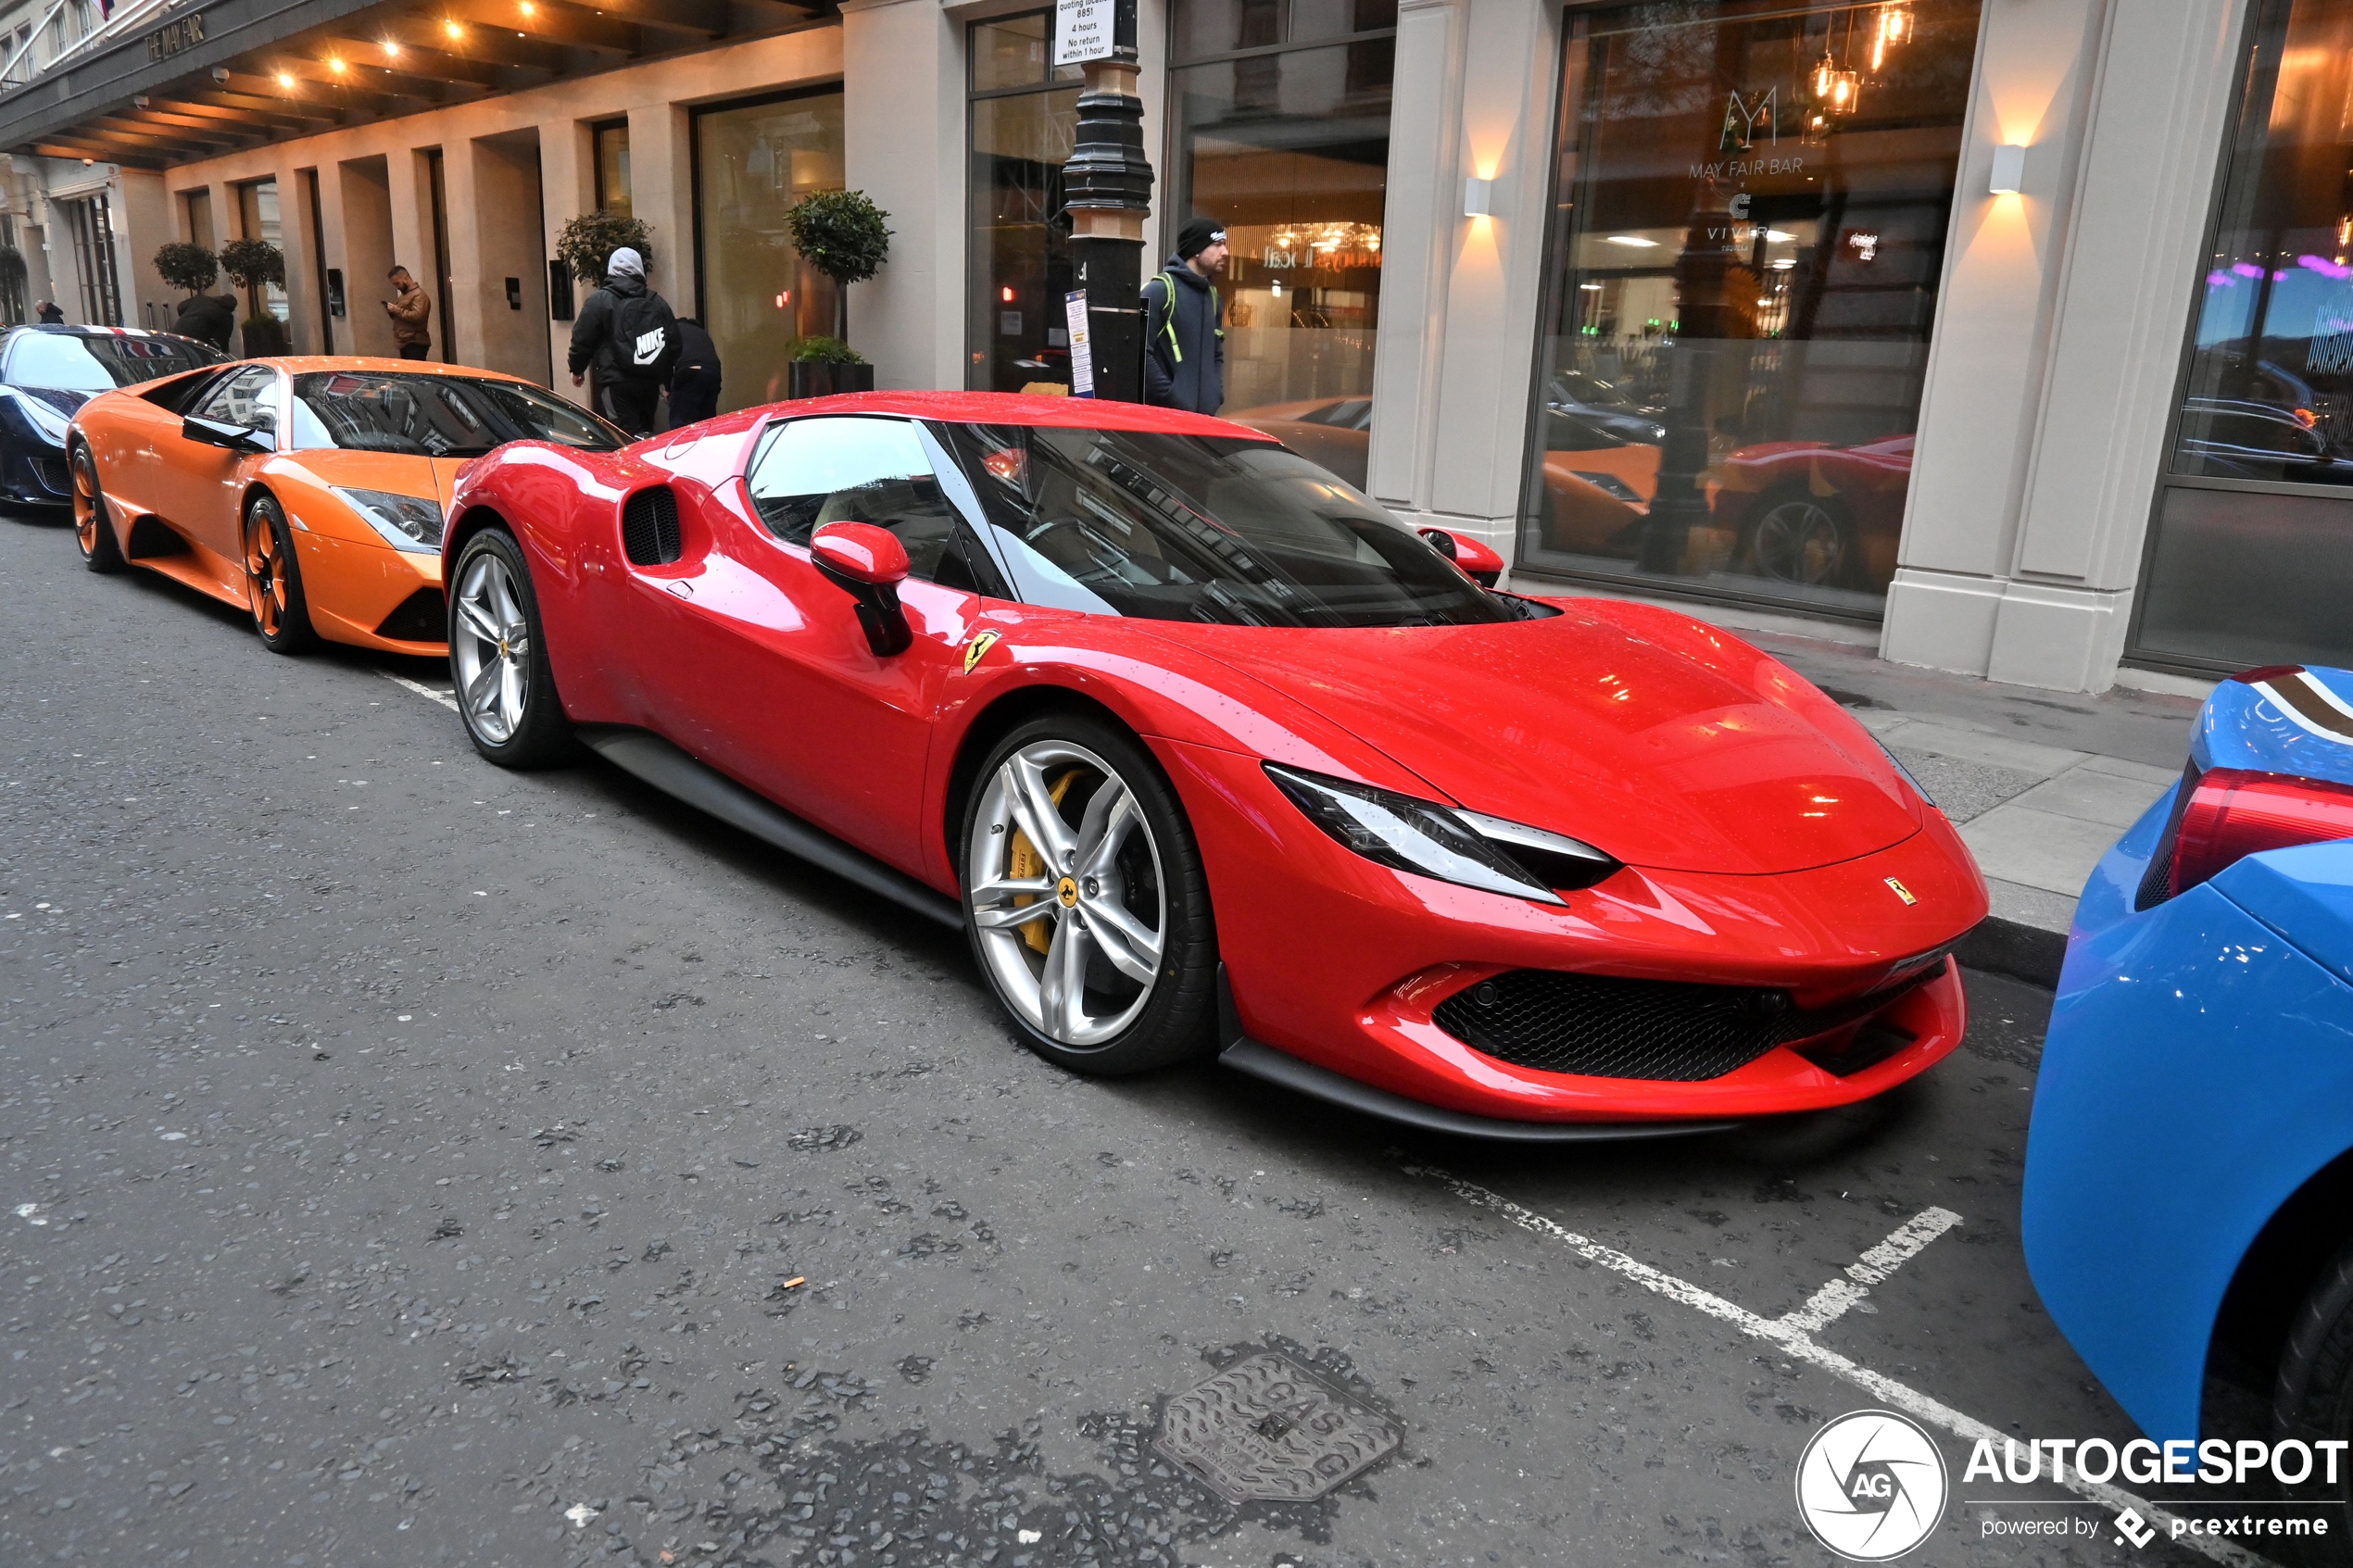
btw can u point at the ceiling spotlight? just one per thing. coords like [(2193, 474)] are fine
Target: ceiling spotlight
[(452, 29), (334, 64), (285, 79), (529, 9), (392, 50)]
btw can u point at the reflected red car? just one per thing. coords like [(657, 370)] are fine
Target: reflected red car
[(1822, 515), (1204, 751)]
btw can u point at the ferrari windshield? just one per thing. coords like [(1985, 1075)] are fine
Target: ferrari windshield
[(436, 416), (70, 362), (1228, 530)]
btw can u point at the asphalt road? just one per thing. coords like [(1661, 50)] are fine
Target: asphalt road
[(405, 1162)]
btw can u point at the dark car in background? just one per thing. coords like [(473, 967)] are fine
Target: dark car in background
[(47, 374)]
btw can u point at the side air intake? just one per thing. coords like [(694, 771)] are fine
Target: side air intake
[(650, 527)]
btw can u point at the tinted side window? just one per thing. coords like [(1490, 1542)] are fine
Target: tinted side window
[(248, 399), (847, 468)]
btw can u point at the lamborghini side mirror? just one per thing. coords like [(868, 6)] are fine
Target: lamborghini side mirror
[(867, 563), (236, 438)]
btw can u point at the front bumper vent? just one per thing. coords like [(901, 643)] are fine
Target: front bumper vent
[(1657, 1031)]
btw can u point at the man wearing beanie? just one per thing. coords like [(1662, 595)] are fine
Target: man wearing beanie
[(628, 337), (1184, 329)]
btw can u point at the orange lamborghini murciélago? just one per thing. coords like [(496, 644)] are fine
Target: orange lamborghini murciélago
[(308, 490)]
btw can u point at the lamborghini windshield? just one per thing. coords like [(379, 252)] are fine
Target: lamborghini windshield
[(1189, 528), (436, 416)]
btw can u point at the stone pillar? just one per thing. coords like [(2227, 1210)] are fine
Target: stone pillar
[(2043, 415)]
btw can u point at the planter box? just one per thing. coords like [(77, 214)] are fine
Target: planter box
[(824, 381)]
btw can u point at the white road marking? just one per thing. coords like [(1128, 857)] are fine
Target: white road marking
[(1800, 1345), (1831, 1302), (447, 699)]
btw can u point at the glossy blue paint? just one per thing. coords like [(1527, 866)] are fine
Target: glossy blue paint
[(2198, 1070)]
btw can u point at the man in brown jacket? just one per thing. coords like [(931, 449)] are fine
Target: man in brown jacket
[(411, 309)]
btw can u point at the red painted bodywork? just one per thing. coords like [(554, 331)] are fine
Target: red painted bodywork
[(1759, 824)]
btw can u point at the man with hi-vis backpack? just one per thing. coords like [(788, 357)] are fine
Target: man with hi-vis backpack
[(1183, 329)]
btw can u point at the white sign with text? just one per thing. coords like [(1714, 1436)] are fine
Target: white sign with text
[(1082, 30)]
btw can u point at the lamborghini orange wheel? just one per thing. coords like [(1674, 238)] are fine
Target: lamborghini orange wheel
[(91, 531), (274, 580)]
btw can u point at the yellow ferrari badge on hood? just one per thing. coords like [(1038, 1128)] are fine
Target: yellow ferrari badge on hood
[(979, 646), (1901, 891)]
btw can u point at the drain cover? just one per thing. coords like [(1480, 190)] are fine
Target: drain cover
[(1268, 1430)]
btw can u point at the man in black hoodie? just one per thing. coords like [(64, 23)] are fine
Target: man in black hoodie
[(627, 334), (1183, 329), (207, 317)]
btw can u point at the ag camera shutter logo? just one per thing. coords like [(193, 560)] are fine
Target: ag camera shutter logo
[(1872, 1486)]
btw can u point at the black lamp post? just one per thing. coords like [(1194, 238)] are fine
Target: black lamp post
[(1702, 308), (1108, 186)]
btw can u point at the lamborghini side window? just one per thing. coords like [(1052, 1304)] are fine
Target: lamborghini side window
[(248, 400), (854, 468)]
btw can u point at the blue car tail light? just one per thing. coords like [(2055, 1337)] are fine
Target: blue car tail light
[(2223, 815)]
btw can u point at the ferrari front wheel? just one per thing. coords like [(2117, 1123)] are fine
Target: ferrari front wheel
[(274, 580), (498, 660), (92, 532), (1085, 899)]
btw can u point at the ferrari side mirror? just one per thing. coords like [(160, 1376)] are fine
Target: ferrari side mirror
[(1477, 562), (867, 563)]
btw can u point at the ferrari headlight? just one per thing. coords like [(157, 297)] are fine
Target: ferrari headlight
[(407, 523), (1463, 848), (43, 418)]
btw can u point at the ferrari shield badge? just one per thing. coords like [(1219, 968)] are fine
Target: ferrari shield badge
[(978, 646), (1901, 891)]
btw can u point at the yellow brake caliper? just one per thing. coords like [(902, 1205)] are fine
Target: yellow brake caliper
[(1025, 861)]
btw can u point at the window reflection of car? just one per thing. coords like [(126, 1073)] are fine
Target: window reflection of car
[(1821, 515), (1602, 404), (1598, 480), (2228, 439)]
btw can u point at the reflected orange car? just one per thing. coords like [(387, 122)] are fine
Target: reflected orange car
[(310, 492)]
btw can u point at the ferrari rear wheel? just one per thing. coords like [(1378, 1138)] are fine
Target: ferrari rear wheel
[(274, 580), (1805, 538), (1085, 899), (506, 691), (92, 532)]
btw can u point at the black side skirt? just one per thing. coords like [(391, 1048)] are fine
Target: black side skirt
[(674, 772)]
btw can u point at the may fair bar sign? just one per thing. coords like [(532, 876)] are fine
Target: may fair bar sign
[(174, 36), (1082, 30)]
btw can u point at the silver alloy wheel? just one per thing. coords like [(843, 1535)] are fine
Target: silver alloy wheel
[(1095, 886), (490, 650), (1800, 542)]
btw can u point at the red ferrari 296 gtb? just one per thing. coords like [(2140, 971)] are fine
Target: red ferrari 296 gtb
[(1204, 750)]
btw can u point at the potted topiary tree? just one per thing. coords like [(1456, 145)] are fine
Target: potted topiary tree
[(847, 237), (590, 239), (252, 265), (822, 366), (186, 266)]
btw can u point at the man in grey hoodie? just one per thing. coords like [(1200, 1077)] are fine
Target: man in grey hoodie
[(1184, 328), (628, 335)]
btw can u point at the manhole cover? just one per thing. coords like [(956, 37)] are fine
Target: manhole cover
[(1268, 1430)]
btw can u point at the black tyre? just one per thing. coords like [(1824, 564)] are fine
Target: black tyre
[(498, 660), (93, 531), (274, 580), (2313, 1398), (1793, 535), (1107, 960)]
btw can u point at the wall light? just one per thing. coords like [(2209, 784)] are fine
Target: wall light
[(2009, 171), (1478, 197)]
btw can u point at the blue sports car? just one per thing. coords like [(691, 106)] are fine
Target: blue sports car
[(2189, 1172)]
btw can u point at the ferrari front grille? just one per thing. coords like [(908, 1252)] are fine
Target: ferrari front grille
[(650, 527), (1659, 1030)]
